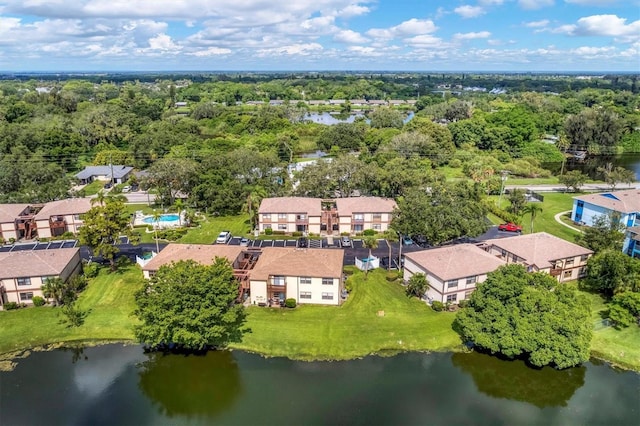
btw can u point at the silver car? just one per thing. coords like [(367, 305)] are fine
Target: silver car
[(345, 242)]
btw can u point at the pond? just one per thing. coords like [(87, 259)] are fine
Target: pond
[(589, 166), (122, 385), (331, 118)]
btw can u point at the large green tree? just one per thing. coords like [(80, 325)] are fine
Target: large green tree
[(530, 315), (605, 233), (611, 271), (190, 305), (103, 225)]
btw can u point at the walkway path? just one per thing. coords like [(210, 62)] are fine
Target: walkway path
[(587, 187), (557, 218)]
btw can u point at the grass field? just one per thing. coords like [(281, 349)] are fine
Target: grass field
[(108, 299), (209, 228), (93, 188), (354, 329), (620, 347)]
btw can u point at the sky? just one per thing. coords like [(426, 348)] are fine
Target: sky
[(320, 35)]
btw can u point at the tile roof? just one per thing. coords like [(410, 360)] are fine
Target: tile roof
[(310, 206), (539, 249), (9, 212), (119, 171), (289, 261), (64, 207), (456, 261), (35, 263), (201, 253), (626, 201), (348, 206)]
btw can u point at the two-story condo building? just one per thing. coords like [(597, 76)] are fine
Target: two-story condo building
[(10, 217), (57, 217), (359, 213), (626, 203), (22, 273), (452, 272), (542, 252), (314, 215), (290, 214)]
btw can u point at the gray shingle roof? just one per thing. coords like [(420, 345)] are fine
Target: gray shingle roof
[(119, 171)]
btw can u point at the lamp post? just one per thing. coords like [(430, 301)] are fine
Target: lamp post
[(503, 178)]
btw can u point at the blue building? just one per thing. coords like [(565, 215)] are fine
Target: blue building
[(626, 203)]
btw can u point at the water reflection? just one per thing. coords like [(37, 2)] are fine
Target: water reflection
[(544, 387), (190, 385)]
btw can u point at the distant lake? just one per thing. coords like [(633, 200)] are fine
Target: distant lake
[(589, 165), (331, 118), (122, 385)]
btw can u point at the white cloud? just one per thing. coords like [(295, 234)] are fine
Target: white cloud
[(467, 11), (351, 37), (411, 27), (491, 2), (425, 40), (535, 4), (593, 51), (537, 24), (293, 49), (163, 42), (366, 51), (472, 35), (353, 10), (211, 51), (604, 26)]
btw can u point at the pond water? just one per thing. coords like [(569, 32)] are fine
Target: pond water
[(331, 118), (589, 166), (122, 385)]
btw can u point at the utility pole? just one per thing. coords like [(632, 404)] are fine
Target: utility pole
[(111, 165), (503, 178)]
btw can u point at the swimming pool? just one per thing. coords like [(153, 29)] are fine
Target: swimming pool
[(164, 219)]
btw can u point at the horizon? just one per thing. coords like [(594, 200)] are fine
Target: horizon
[(540, 36)]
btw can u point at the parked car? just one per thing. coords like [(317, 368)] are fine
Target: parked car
[(223, 237), (345, 241), (126, 188), (509, 227), (407, 241), (107, 185), (303, 242), (244, 242)]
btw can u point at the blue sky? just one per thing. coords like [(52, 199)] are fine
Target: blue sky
[(421, 35)]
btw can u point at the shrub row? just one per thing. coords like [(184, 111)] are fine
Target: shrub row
[(502, 214)]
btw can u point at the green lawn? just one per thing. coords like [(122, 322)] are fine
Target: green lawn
[(93, 188), (209, 228), (109, 300), (353, 329), (554, 203), (621, 347)]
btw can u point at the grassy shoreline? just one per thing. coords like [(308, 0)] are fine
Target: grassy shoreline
[(351, 331)]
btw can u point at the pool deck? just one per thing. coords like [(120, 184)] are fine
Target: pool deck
[(139, 218)]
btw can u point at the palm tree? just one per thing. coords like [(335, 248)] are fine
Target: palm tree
[(156, 218), (179, 206), (54, 288), (370, 243), (533, 209), (99, 198), (391, 236), (254, 198)]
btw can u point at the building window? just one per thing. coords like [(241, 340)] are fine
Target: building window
[(305, 280), (452, 283), (327, 296), (282, 216), (452, 298), (377, 216), (503, 252), (327, 281), (305, 295), (301, 217), (26, 296), (267, 226), (568, 262), (472, 280), (282, 227), (266, 216), (580, 203), (44, 279), (76, 217), (23, 281), (582, 272), (377, 226), (278, 280), (467, 294), (358, 216), (566, 274), (357, 228), (584, 258)]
